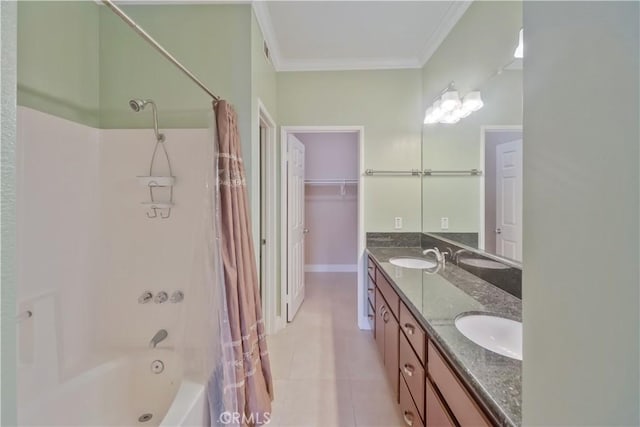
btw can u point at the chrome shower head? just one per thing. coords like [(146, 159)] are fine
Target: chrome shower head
[(138, 105)]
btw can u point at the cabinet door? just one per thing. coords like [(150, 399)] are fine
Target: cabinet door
[(379, 322), (391, 348), (437, 412)]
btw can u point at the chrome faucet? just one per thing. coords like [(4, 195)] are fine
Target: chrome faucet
[(439, 255), (161, 335)]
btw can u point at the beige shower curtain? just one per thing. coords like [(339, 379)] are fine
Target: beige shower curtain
[(254, 386)]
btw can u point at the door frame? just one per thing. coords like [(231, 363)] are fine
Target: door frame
[(483, 164), (269, 274), (285, 131)]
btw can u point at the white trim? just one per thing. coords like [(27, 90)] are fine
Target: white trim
[(447, 22), (431, 45), (272, 322), (363, 322), (338, 64), (483, 131), (331, 268), (261, 10)]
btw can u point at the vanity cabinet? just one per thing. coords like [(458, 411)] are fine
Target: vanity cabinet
[(386, 328), (427, 386)]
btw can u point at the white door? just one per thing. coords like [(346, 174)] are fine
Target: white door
[(295, 226), (509, 200)]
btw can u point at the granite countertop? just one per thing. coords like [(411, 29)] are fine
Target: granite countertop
[(436, 300)]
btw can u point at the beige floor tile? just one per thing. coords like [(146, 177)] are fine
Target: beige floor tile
[(327, 371)]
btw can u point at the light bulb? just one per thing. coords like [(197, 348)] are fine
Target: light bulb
[(429, 118), (450, 119), (437, 112), (472, 101), (519, 53), (450, 100)]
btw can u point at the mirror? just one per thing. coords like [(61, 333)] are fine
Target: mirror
[(483, 210)]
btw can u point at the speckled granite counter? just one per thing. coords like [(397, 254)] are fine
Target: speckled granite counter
[(436, 300)]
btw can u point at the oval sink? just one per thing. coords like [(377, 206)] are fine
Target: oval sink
[(497, 334), (484, 263), (408, 262)]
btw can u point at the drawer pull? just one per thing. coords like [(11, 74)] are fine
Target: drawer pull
[(409, 328), (370, 316), (385, 316), (370, 290), (408, 369), (408, 418)]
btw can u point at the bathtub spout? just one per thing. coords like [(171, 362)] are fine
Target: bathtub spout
[(161, 335)]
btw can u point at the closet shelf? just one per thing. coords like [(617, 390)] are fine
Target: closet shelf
[(157, 181)]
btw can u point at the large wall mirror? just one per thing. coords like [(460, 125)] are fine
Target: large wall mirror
[(474, 195)]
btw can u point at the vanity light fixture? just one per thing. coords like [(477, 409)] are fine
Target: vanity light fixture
[(449, 109), (519, 53), (450, 100)]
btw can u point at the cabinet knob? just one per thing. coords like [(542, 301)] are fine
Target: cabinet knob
[(498, 230), (385, 316), (305, 231), (408, 418), (409, 328), (408, 369)]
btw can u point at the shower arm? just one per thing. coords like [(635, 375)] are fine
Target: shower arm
[(159, 136)]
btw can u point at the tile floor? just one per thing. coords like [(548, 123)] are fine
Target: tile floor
[(326, 371)]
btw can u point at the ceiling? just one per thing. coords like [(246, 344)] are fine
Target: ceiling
[(355, 35)]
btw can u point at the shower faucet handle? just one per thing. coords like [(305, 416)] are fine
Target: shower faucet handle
[(145, 297), (177, 296), (161, 297)]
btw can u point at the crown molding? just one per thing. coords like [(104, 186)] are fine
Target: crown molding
[(174, 2), (263, 17), (448, 21), (352, 64)]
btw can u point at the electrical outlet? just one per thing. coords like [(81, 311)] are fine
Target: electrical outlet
[(444, 223), (398, 222)]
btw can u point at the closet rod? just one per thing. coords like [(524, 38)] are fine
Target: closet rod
[(130, 22)]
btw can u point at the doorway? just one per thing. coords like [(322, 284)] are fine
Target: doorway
[(501, 211), (324, 209), (268, 237)]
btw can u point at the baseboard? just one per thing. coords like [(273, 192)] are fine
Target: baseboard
[(331, 268)]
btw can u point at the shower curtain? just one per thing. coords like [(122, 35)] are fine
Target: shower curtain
[(246, 345)]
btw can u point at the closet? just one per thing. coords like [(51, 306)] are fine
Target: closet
[(331, 201)]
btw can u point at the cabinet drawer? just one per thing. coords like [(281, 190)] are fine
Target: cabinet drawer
[(413, 374), (371, 268), (393, 302), (437, 412), (413, 331), (371, 290), (408, 408), (462, 405)]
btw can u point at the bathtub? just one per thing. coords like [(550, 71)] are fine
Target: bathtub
[(123, 392)]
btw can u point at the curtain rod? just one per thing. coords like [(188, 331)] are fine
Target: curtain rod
[(130, 22)]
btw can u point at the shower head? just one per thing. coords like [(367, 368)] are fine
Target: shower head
[(138, 105)]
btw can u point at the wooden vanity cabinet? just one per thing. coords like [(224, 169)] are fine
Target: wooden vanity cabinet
[(428, 388)]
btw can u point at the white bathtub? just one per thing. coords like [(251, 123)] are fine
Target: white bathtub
[(119, 392)]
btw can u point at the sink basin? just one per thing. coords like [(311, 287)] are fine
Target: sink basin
[(497, 334), (408, 262), (484, 263)]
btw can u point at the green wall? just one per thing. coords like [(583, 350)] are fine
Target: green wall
[(387, 103), (213, 41), (581, 283), (8, 83), (481, 42), (58, 65)]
